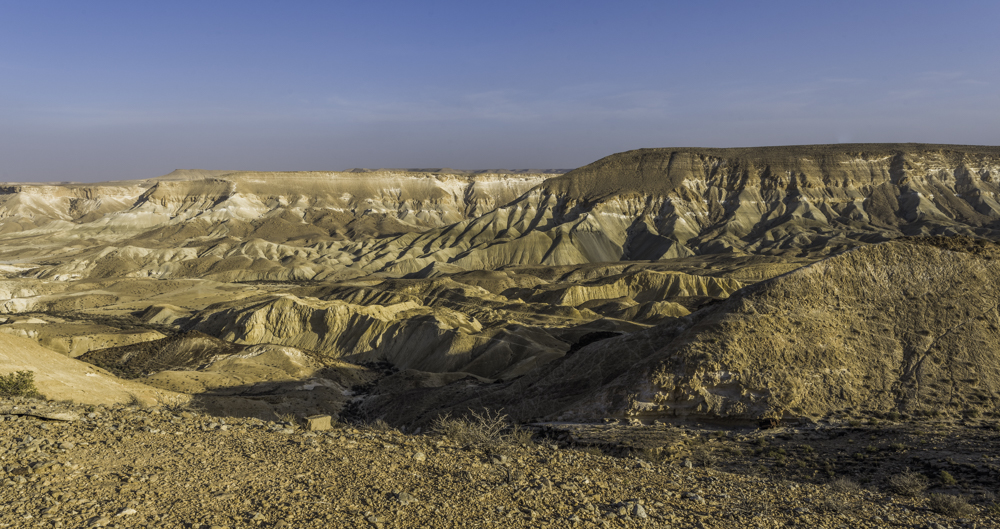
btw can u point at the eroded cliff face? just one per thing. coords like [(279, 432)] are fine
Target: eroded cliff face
[(664, 203), (649, 204), (193, 224)]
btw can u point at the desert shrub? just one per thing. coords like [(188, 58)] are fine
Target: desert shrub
[(520, 436), (289, 419), (844, 485), (486, 428), (950, 505), (898, 447), (947, 478), (992, 505), (703, 457), (908, 483), (18, 384), (652, 455), (379, 425)]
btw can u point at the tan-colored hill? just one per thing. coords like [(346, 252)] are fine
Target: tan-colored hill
[(58, 377), (907, 326)]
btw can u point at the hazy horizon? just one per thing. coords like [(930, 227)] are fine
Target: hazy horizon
[(112, 91)]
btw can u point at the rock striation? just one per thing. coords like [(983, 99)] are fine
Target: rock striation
[(647, 204), (909, 326)]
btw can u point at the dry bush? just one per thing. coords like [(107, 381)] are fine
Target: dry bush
[(844, 485), (949, 505), (908, 483), (288, 418), (653, 455), (486, 428), (703, 457), (520, 436), (379, 425), (18, 384)]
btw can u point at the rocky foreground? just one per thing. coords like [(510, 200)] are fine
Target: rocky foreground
[(74, 466)]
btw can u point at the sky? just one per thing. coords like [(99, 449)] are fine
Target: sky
[(97, 90)]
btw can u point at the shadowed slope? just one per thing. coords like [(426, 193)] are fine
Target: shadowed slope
[(905, 326)]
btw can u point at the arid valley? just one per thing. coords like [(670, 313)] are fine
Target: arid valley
[(720, 338)]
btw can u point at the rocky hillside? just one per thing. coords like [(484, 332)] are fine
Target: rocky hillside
[(125, 467), (909, 326)]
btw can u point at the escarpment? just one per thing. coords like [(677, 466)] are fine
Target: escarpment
[(649, 204)]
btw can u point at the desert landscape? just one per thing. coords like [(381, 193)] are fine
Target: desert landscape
[(692, 337)]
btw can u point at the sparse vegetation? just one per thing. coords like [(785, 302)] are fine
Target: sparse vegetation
[(653, 455), (844, 485), (908, 483), (992, 505), (947, 479), (703, 457), (379, 425), (950, 505), (486, 428), (289, 419), (19, 384), (521, 436)]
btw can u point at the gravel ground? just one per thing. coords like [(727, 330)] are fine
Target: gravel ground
[(136, 467)]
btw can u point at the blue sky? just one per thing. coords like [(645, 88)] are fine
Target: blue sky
[(112, 90)]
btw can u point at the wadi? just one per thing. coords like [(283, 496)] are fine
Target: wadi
[(688, 337)]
